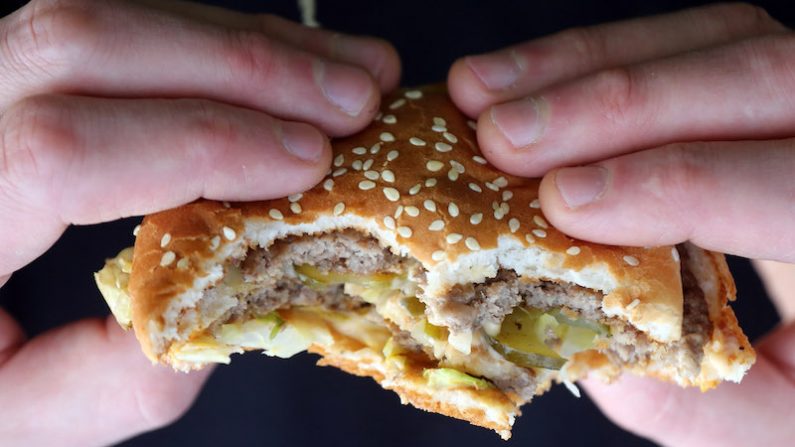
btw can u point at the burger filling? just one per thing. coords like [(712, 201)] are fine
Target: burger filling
[(504, 333)]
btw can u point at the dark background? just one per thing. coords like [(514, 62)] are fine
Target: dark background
[(264, 401)]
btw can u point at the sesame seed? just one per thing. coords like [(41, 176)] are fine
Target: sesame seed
[(404, 232), (167, 259), (378, 116), (415, 189), (479, 159), (472, 244), (226, 204), (476, 218), (215, 242), (136, 230), (434, 165), (356, 165), (372, 175), (632, 261), (538, 220), (386, 137), (529, 238), (573, 251), (165, 240), (340, 171), (472, 125), (388, 176), (438, 121), (183, 263), (359, 150), (296, 208), (397, 104), (453, 238), (498, 214), (328, 185), (540, 233), (389, 119), (535, 204), (413, 94), (475, 187), (495, 206), (389, 222), (505, 208), (368, 164), (392, 194), (457, 166), (438, 128), (443, 147), (436, 225), (366, 185), (450, 137), (501, 182), (230, 234), (398, 211), (635, 303), (339, 160), (675, 254), (392, 155), (376, 148), (339, 208), (430, 182), (274, 213), (506, 196), (417, 141), (452, 174), (429, 205), (513, 224), (295, 197), (492, 186), (452, 208), (438, 255), (412, 211)]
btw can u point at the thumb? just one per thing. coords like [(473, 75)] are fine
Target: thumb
[(757, 411)]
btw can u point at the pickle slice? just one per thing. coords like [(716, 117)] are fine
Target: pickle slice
[(526, 359)]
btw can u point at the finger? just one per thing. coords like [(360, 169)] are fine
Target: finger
[(88, 384), (733, 197), (11, 335), (779, 280), (756, 412), (477, 82), (122, 49), (375, 55), (85, 160), (728, 93)]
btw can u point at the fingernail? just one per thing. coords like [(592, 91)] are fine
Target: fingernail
[(499, 70), (347, 88), (522, 122), (303, 141), (581, 185)]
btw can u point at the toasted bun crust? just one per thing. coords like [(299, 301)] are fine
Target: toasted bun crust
[(415, 181)]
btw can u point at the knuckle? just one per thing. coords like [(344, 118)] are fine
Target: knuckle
[(589, 45), (681, 169), (619, 98), (52, 34), (742, 17), (36, 141), (212, 133), (250, 55)]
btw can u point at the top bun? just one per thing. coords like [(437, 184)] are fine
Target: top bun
[(416, 181)]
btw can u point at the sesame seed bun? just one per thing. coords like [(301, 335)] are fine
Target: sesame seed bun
[(415, 182)]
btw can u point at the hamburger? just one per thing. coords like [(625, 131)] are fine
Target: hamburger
[(419, 264)]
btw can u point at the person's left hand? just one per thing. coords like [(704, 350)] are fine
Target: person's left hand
[(656, 131)]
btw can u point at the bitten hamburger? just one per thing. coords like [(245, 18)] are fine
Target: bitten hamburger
[(419, 264)]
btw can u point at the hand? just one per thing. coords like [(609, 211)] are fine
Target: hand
[(656, 131), (111, 109)]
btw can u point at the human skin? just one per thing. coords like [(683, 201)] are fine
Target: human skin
[(657, 131), (112, 109)]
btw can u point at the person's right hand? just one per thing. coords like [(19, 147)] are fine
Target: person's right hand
[(111, 109)]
